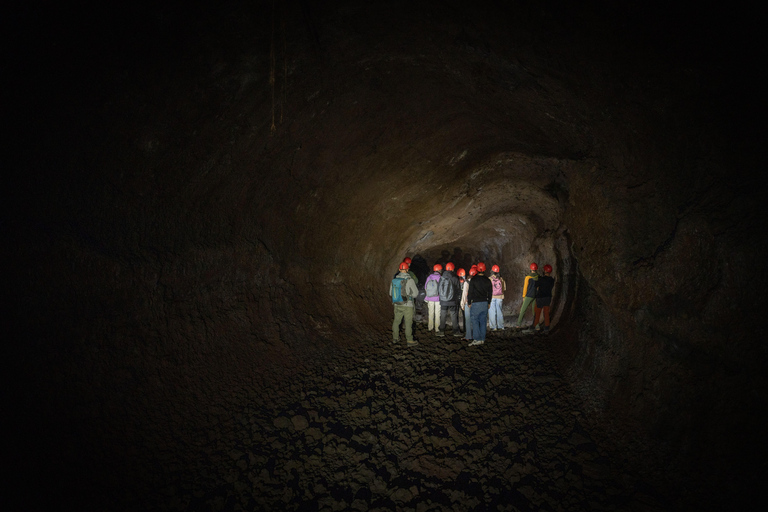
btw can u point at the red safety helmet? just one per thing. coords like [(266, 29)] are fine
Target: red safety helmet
[(438, 267), (534, 267), (403, 266), (481, 267), (547, 268), (461, 272), (450, 266), (495, 268), (472, 271), (408, 261)]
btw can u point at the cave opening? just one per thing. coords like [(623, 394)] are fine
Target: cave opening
[(206, 211)]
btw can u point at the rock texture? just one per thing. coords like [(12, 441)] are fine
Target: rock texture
[(440, 426), (206, 206)]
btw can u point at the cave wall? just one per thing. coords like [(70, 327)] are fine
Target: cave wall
[(172, 249), (666, 335)]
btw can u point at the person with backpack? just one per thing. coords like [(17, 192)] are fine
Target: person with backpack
[(465, 305), (431, 289), (496, 317), (402, 290), (544, 287), (529, 294), (449, 294), (415, 278), (479, 299)]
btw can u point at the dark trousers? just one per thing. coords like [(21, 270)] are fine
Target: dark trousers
[(539, 310), (454, 311)]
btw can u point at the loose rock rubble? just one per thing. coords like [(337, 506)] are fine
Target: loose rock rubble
[(439, 426)]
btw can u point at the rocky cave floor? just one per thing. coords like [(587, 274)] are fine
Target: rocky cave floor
[(438, 426)]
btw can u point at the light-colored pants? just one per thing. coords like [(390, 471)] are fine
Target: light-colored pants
[(495, 315), (467, 323), (403, 313), (527, 302), (434, 314)]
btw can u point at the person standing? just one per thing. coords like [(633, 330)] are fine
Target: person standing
[(462, 275), (479, 299), (529, 294), (431, 288), (496, 316), (465, 305), (449, 292), (544, 287), (407, 262), (402, 289)]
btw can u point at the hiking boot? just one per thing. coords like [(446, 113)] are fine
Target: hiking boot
[(457, 334), (412, 343), (440, 334)]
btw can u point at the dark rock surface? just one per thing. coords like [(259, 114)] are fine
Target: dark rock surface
[(434, 427), (205, 204)]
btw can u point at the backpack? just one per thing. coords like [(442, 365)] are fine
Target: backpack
[(398, 290), (497, 290), (447, 290), (432, 287)]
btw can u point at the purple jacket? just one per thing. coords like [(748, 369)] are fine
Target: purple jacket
[(434, 276)]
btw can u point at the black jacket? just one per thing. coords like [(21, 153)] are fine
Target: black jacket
[(451, 280), (544, 287), (480, 289)]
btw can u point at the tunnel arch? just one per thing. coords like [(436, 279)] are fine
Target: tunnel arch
[(176, 248), (508, 210)]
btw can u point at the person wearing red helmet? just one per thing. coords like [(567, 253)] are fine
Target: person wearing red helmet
[(495, 315), (449, 292), (402, 290), (479, 299), (544, 287), (464, 305), (415, 278), (529, 294), (462, 275), (431, 287)]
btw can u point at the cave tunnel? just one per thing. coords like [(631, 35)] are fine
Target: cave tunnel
[(205, 205)]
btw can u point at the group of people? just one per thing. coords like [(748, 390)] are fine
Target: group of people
[(479, 297)]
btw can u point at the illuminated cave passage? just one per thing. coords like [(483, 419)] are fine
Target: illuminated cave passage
[(208, 205)]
